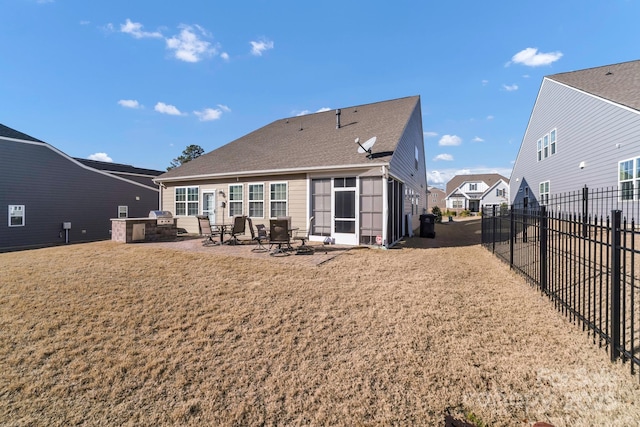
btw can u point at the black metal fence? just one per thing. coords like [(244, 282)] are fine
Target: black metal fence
[(581, 249)]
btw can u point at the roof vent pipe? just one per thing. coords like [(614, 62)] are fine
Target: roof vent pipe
[(338, 118)]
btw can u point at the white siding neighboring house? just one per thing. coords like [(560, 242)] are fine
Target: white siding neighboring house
[(584, 130), (473, 192)]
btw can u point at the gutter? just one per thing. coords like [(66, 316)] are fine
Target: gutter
[(267, 172)]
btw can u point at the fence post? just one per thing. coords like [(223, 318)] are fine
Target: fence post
[(493, 222), (616, 217), (512, 234), (543, 248), (585, 207)]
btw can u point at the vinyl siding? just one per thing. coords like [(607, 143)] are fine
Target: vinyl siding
[(403, 165), (588, 129), (55, 189), (296, 199)]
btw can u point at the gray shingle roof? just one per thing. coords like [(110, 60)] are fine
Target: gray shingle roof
[(7, 132), (488, 178), (309, 142), (619, 83), (118, 167)]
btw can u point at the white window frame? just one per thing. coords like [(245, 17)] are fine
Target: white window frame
[(544, 192), (629, 180), (190, 205), (123, 213), (545, 146), (255, 201), (273, 200), (553, 141), (540, 149), (232, 204), (16, 211), (473, 186)]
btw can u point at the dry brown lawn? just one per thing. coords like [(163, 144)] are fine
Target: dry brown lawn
[(113, 334)]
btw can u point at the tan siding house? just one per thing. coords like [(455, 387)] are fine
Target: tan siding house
[(312, 166)]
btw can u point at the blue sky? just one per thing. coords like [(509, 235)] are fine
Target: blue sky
[(136, 81)]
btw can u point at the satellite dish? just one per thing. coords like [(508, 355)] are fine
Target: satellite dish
[(366, 147)]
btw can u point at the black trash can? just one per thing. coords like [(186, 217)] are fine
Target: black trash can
[(427, 225)]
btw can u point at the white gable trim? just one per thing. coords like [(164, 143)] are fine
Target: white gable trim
[(77, 163)]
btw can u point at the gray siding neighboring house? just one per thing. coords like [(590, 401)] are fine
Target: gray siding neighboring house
[(309, 166), (474, 191), (42, 188), (584, 130)]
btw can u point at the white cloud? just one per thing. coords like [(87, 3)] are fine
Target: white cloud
[(85, 22), (427, 134), (135, 29), (485, 82), (490, 117), (444, 156), (305, 112), (225, 56), (510, 88), (437, 178), (163, 108), (129, 103), (449, 140), (224, 108), (532, 58), (259, 47), (101, 157), (208, 114), (188, 45), (477, 139)]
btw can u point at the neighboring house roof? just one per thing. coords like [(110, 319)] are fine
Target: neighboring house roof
[(619, 83), (308, 142), (140, 175), (119, 168), (488, 178), (7, 132)]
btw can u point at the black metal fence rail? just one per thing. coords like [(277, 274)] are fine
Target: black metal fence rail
[(582, 250)]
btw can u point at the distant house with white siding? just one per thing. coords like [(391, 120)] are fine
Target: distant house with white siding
[(311, 166), (474, 191), (584, 130)]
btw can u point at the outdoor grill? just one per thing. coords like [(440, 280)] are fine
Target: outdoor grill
[(161, 217)]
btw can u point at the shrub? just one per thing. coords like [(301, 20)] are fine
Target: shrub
[(437, 212)]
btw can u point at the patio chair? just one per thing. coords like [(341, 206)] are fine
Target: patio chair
[(260, 237), (279, 235), (206, 231), (239, 226), (305, 249)]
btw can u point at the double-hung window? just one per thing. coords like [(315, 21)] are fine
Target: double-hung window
[(540, 149), (256, 200), (628, 173), (544, 193), (235, 200), (123, 211), (186, 201), (278, 199), (547, 145), (16, 215)]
